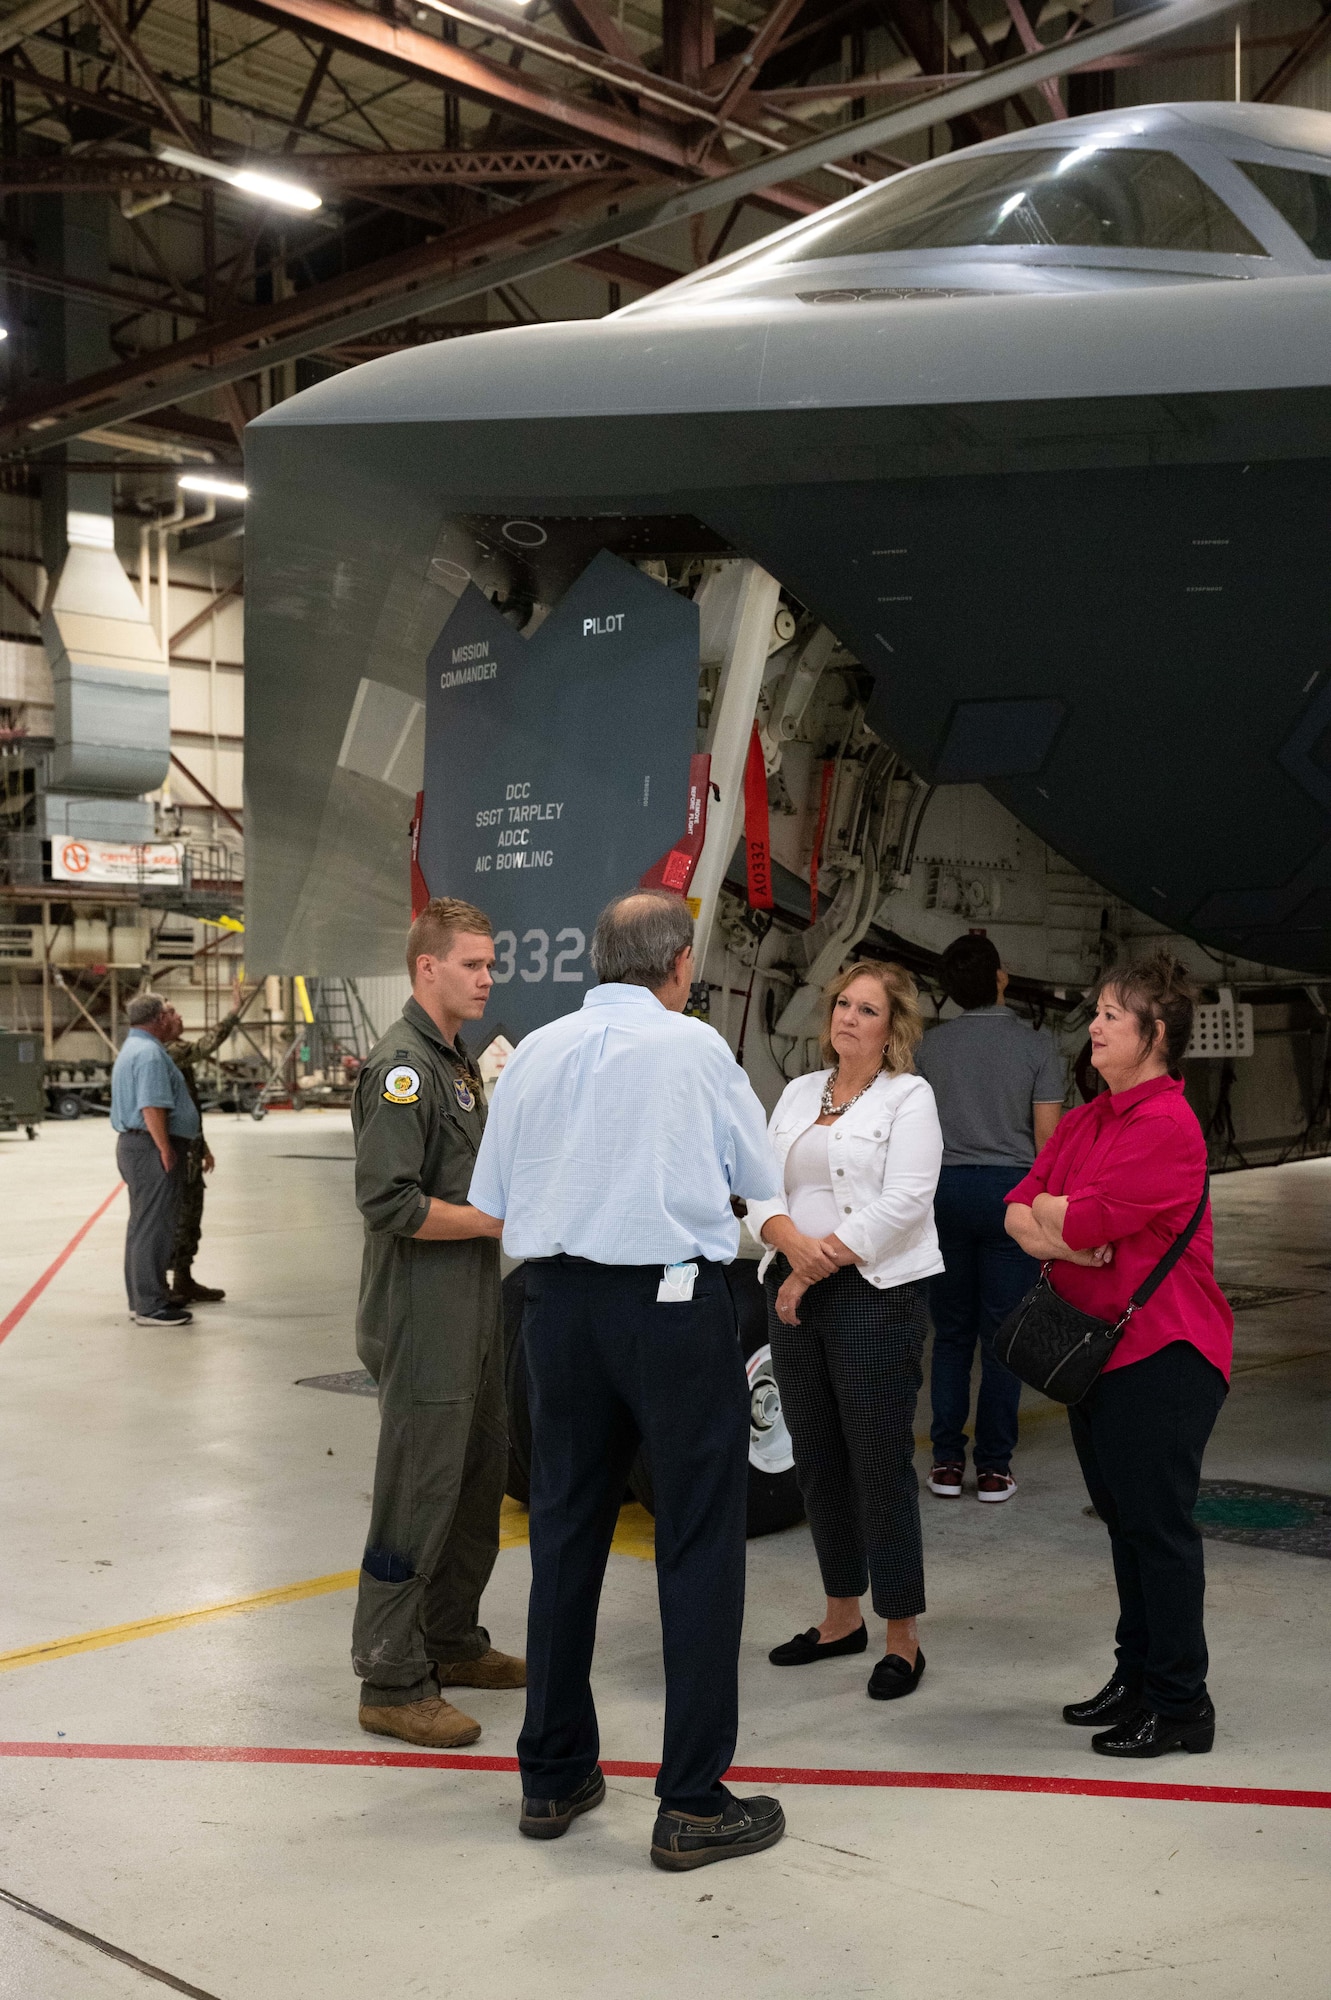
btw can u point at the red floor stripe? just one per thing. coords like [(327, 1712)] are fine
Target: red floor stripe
[(31, 1296), (742, 1774)]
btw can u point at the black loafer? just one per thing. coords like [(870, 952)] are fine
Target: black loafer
[(546, 1819), (806, 1647), (1116, 1701), (746, 1826), (892, 1678), (1146, 1734)]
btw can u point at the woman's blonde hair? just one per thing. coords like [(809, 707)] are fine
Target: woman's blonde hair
[(905, 1022)]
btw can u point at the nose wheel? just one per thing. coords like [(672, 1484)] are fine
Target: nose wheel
[(770, 1449)]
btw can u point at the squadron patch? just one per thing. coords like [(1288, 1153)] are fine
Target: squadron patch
[(402, 1085), (464, 1094)]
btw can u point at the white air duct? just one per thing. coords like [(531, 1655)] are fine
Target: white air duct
[(112, 685)]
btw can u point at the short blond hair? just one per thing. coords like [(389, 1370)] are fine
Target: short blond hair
[(905, 1022), (443, 918)]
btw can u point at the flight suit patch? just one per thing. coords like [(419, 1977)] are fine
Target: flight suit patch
[(464, 1094), (402, 1085)]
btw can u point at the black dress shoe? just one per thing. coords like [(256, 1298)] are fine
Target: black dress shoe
[(546, 1819), (1146, 1734), (1116, 1700), (806, 1646), (892, 1678), (745, 1826)]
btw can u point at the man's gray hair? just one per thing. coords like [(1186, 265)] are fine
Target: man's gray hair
[(145, 1007), (638, 938)]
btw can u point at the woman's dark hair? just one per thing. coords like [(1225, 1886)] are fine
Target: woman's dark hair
[(1154, 989), (969, 971)]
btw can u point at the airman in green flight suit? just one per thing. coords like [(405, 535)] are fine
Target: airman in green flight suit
[(429, 1330)]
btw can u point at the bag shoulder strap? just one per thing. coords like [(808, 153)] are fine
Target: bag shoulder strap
[(1157, 1277)]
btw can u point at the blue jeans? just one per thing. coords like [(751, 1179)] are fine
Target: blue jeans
[(985, 1275)]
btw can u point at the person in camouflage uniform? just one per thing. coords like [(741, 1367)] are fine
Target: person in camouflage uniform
[(185, 1290)]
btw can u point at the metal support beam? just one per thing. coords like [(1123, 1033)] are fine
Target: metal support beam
[(133, 55), (30, 20), (408, 291), (1312, 45), (495, 84), (107, 173)]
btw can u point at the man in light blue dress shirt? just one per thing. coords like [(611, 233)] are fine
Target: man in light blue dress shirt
[(615, 1143), (151, 1111)]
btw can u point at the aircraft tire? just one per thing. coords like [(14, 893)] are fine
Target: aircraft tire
[(774, 1500)]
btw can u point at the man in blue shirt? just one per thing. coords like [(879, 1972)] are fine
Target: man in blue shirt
[(999, 1088), (151, 1110), (616, 1141)]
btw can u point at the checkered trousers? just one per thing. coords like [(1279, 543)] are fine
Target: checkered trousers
[(849, 1376)]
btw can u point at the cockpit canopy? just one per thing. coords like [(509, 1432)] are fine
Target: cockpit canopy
[(1172, 192)]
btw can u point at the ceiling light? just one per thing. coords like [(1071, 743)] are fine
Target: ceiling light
[(264, 187), (221, 489), (4, 333)]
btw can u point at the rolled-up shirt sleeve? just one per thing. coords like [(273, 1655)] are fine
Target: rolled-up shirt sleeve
[(913, 1157), (1153, 1169), (750, 1164)]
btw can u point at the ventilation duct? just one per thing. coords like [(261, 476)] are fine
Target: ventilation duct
[(112, 685)]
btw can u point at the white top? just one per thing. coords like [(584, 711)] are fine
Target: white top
[(884, 1153), (619, 1133), (809, 1183)]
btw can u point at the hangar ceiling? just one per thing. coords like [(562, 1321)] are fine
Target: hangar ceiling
[(442, 137)]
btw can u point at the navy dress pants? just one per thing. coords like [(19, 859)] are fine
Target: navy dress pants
[(984, 1276), (608, 1366), (1140, 1433)]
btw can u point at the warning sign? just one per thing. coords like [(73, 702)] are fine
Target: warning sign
[(157, 862)]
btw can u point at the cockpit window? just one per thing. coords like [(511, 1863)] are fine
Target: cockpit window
[(1087, 197), (1303, 199)]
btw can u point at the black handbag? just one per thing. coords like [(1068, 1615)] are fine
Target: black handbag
[(1059, 1349)]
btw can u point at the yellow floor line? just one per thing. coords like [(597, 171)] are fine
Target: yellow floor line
[(633, 1537), (148, 1628)]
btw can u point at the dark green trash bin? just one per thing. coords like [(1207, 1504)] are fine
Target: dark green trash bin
[(22, 1080)]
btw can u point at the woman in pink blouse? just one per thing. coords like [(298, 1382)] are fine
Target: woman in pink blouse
[(1108, 1195)]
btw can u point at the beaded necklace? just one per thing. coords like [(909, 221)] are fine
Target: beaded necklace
[(831, 1110)]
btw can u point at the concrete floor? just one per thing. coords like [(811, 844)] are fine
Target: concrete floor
[(147, 1475)]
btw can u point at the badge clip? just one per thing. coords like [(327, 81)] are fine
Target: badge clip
[(676, 1286)]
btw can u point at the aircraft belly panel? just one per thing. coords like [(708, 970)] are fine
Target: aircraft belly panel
[(1133, 661)]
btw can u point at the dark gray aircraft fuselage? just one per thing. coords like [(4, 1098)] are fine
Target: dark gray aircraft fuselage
[(1041, 431)]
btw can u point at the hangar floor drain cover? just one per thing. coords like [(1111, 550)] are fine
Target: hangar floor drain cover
[(1265, 1517), (351, 1382)]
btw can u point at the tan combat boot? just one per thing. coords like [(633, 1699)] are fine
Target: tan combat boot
[(492, 1670), (433, 1724)]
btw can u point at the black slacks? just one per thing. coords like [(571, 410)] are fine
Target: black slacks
[(849, 1376), (607, 1366), (1140, 1435)]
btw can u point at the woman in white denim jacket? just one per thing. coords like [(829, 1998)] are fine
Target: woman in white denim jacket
[(850, 1247)]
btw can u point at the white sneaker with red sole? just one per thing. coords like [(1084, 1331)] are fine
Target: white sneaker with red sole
[(995, 1487)]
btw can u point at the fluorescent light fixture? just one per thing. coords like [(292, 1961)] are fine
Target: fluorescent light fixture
[(221, 489), (264, 187)]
